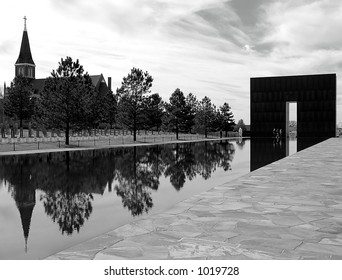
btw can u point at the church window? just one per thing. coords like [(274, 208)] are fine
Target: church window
[(21, 71)]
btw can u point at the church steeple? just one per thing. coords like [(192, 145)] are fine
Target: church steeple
[(25, 19), (25, 65), (25, 199)]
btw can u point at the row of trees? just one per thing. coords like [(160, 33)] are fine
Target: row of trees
[(69, 101)]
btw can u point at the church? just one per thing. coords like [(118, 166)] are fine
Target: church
[(25, 66)]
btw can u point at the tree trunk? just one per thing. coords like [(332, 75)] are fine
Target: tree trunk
[(205, 127), (21, 128), (177, 129), (135, 129), (67, 134)]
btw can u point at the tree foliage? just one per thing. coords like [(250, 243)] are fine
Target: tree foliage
[(68, 210), (111, 108), (176, 111), (154, 111), (191, 108), (103, 109), (19, 101), (226, 118), (69, 101), (67, 98), (240, 124), (205, 116), (132, 102)]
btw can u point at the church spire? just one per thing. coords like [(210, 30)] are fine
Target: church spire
[(25, 198), (25, 65), (25, 19)]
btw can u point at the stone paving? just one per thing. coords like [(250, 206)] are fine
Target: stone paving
[(290, 209)]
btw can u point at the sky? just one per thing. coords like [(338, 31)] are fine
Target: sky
[(206, 47)]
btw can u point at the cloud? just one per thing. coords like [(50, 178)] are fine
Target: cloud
[(224, 21), (208, 47), (304, 26), (248, 49), (6, 47)]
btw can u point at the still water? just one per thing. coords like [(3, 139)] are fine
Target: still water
[(52, 201)]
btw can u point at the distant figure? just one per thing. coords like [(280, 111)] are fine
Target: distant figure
[(277, 133), (280, 132), (274, 132), (240, 132)]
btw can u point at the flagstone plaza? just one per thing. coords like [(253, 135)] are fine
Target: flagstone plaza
[(290, 209)]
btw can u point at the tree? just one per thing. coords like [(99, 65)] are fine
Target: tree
[(97, 109), (227, 118), (132, 102), (240, 124), (217, 122), (19, 102), (154, 111), (1, 108), (103, 109), (176, 110), (191, 104), (205, 116), (66, 97), (111, 106), (69, 210)]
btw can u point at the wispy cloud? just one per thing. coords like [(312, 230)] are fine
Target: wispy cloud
[(208, 47), (302, 26), (6, 46)]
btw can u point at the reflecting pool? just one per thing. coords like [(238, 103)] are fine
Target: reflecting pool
[(51, 201)]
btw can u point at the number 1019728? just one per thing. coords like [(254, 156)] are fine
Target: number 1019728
[(220, 270)]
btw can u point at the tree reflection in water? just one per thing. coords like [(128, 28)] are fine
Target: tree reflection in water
[(68, 180), (68, 210), (186, 161)]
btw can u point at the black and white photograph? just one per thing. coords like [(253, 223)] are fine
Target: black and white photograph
[(203, 132)]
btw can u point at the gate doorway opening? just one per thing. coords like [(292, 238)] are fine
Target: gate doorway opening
[(291, 128), (291, 119)]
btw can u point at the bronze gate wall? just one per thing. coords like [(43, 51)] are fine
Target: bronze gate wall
[(316, 104)]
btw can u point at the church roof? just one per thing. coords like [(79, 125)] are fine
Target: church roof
[(95, 79), (98, 82), (38, 84), (25, 55)]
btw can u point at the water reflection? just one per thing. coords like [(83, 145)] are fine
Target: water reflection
[(241, 142), (67, 181), (267, 150), (138, 169)]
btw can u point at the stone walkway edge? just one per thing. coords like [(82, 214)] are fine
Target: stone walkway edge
[(70, 148), (289, 209)]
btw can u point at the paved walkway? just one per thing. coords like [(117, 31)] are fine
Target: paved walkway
[(290, 209)]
